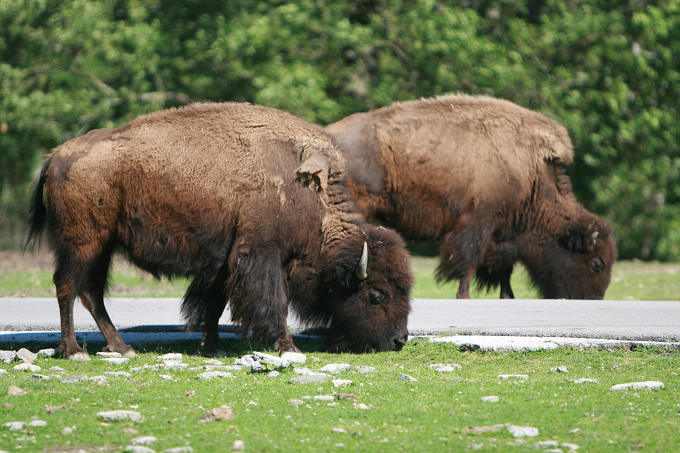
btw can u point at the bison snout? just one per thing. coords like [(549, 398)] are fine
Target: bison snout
[(399, 341)]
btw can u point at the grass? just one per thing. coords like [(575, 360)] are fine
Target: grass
[(631, 280), (439, 412)]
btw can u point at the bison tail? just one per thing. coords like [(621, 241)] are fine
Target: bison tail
[(38, 212)]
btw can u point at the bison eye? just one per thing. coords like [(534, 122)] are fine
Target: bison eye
[(375, 297), (596, 265)]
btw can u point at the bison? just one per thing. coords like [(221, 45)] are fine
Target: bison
[(486, 178), (246, 201)]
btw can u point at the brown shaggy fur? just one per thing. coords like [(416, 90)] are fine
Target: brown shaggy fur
[(246, 200), (487, 178)]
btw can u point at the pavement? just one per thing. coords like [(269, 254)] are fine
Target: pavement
[(478, 324)]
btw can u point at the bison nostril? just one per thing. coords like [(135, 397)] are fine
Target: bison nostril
[(400, 342)]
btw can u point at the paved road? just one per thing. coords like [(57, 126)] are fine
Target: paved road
[(623, 320)]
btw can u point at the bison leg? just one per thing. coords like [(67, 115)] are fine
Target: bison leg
[(464, 285), (506, 289), (66, 295)]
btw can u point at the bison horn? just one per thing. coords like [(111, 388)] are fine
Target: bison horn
[(362, 273)]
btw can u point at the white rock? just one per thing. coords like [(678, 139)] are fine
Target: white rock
[(143, 440), (2, 371), (13, 390), (118, 416), (48, 352), (66, 431), (7, 356), (295, 402), (559, 369), (56, 369), (490, 399), (238, 445), (26, 356), (272, 360), (256, 367), (138, 449), (213, 362), (176, 356), (340, 382), (214, 374), (545, 444), (294, 357), (118, 373), (73, 379), (363, 369), (582, 380), (116, 360), (273, 374), (174, 365), (651, 385), (339, 430), (553, 450), (109, 355), (27, 367), (406, 377), (310, 379), (569, 446), (445, 367), (98, 378), (41, 377), (361, 406), (246, 360), (14, 426), (166, 377), (521, 377), (179, 450), (335, 368), (522, 431), (319, 398), (38, 423)]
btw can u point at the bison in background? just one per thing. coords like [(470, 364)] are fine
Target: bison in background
[(487, 178), (248, 201)]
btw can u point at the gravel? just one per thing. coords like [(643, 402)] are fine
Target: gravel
[(651, 385)]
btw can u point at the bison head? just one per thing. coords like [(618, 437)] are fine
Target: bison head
[(367, 290), (579, 262)]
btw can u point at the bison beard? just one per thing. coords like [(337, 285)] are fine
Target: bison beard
[(486, 178), (247, 201)]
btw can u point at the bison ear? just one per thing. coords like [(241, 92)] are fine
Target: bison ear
[(578, 238), (314, 172)]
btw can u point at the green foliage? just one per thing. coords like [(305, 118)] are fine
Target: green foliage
[(609, 71)]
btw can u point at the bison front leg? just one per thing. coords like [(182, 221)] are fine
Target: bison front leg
[(66, 296), (258, 296)]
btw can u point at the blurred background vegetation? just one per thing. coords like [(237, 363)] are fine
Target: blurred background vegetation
[(608, 70)]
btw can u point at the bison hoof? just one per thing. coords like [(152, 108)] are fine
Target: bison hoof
[(79, 356)]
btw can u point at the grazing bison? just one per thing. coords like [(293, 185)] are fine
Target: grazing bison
[(487, 178), (247, 201)]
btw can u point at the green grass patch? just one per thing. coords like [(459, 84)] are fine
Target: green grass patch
[(630, 281), (438, 412)]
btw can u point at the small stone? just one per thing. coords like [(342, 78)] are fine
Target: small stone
[(273, 373), (138, 449), (143, 440), (214, 374), (48, 352), (97, 379), (559, 369), (310, 379), (575, 430), (583, 380), (119, 416), (37, 423), (319, 397), (294, 357), (166, 377), (41, 377), (56, 369), (26, 356), (364, 369), (339, 430), (335, 368), (295, 402), (490, 399), (545, 444), (361, 406), (522, 431), (2, 371), (341, 382), (116, 360), (13, 390), (109, 355), (172, 356), (27, 367), (257, 367), (651, 385), (246, 360), (345, 396), (179, 450), (7, 356), (406, 377), (569, 446), (66, 431), (218, 413), (521, 377), (213, 362), (14, 426), (238, 445), (272, 360), (174, 365), (553, 450), (73, 379), (118, 374), (445, 367)]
